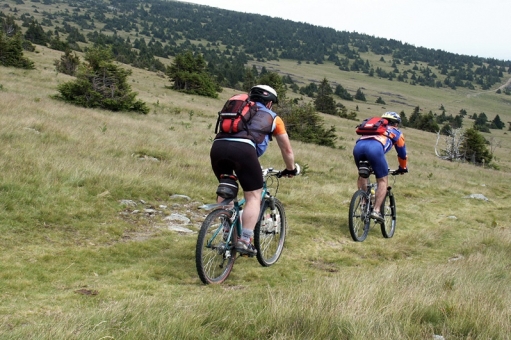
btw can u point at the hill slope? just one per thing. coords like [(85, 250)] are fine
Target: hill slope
[(79, 261), (226, 38)]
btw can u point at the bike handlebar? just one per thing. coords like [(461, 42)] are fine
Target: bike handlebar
[(396, 172), (268, 172), (284, 172)]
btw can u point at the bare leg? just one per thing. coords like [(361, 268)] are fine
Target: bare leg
[(381, 192), (248, 221), (362, 183), (251, 209)]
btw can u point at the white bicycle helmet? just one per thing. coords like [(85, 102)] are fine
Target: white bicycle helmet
[(263, 92), (392, 117)]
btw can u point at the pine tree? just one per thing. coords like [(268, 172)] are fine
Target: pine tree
[(497, 123), (360, 95), (68, 63), (11, 52), (414, 117), (8, 26), (475, 147), (380, 101), (189, 75), (404, 118), (481, 119), (427, 123), (35, 34), (249, 80), (304, 124), (341, 92), (309, 90), (324, 101), (274, 80), (481, 123)]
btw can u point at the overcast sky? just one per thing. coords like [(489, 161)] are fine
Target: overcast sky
[(471, 27)]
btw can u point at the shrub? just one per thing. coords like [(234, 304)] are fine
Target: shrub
[(101, 84), (68, 63), (303, 123)]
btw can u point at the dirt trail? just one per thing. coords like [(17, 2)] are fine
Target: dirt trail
[(502, 87), (507, 84)]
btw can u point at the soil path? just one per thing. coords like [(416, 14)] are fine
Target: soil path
[(502, 87), (507, 84)]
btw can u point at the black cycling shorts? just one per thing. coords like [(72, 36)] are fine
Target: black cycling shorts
[(229, 157)]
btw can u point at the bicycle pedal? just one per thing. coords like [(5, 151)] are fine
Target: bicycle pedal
[(245, 254)]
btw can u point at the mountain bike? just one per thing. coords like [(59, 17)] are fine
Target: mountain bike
[(215, 253), (361, 206)]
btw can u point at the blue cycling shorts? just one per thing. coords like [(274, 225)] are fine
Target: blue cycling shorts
[(371, 150)]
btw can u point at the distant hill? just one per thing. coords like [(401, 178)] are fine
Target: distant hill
[(148, 33)]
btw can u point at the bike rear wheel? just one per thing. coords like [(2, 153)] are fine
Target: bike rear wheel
[(359, 220), (388, 209), (214, 257), (270, 233)]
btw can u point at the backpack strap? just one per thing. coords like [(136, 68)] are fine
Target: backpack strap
[(217, 122), (245, 122)]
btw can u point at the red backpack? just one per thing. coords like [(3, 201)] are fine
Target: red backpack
[(236, 114), (373, 126)]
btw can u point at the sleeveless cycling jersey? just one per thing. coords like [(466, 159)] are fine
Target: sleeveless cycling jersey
[(261, 126)]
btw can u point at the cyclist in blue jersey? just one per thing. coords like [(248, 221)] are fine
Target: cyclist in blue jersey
[(372, 148), (238, 153)]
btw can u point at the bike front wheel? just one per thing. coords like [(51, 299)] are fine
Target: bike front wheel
[(359, 220), (270, 233), (214, 256), (388, 208)]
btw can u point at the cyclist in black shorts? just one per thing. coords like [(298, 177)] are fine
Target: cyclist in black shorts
[(238, 153)]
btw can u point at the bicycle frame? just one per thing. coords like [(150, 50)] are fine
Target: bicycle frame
[(215, 248), (362, 205), (237, 206)]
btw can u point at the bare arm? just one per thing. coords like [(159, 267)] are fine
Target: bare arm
[(286, 150)]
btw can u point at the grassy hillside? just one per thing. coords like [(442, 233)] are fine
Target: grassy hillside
[(77, 262)]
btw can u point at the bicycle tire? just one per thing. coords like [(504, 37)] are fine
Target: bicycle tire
[(211, 252), (359, 220), (388, 209), (269, 235)]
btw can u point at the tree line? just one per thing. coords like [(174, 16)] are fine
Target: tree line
[(203, 69), (167, 28)]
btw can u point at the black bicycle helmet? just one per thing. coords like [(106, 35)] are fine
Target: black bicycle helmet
[(392, 117), (263, 93)]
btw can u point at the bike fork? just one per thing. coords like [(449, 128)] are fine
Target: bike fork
[(273, 213)]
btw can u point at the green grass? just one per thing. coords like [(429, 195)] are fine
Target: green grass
[(77, 264)]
